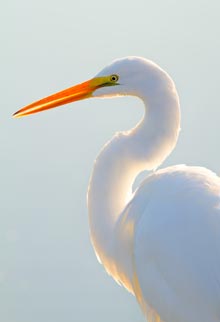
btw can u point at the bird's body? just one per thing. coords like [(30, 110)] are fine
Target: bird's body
[(161, 242), (167, 253)]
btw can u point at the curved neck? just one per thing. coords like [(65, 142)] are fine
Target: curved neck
[(144, 147)]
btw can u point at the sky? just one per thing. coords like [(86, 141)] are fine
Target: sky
[(48, 270)]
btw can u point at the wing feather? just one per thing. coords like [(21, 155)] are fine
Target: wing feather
[(177, 246)]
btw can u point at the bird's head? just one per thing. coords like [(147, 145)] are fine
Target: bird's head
[(126, 76)]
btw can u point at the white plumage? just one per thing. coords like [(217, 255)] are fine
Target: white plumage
[(176, 244), (163, 241)]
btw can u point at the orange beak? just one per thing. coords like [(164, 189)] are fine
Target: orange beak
[(72, 94)]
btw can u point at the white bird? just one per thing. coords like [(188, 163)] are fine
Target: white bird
[(162, 243)]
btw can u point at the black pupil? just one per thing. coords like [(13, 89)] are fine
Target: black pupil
[(114, 78)]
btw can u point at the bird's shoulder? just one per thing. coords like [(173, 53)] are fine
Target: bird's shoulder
[(177, 179)]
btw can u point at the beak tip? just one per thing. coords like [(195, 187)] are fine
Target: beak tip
[(16, 115)]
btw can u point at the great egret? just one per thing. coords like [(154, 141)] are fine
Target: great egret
[(163, 241)]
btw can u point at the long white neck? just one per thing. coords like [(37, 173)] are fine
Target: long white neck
[(120, 161)]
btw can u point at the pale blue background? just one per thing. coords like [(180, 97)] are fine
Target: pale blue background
[(48, 271)]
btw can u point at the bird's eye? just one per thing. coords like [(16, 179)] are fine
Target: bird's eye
[(114, 78)]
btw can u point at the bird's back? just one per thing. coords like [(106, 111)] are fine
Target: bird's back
[(169, 247)]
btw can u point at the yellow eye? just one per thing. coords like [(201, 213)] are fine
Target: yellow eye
[(114, 78)]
